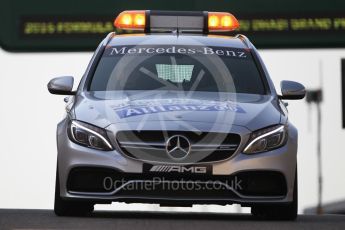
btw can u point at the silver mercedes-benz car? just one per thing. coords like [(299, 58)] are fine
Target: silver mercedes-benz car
[(175, 109)]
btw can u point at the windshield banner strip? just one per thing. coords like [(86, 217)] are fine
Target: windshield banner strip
[(227, 52)]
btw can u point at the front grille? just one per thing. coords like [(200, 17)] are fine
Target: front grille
[(151, 145), (247, 183)]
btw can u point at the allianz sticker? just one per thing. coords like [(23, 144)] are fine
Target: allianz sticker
[(144, 107)]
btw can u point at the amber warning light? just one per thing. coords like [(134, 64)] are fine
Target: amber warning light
[(222, 21), (131, 20)]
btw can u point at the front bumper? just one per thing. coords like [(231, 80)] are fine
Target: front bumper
[(282, 161)]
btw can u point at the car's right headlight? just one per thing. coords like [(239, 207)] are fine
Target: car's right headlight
[(89, 136), (267, 139)]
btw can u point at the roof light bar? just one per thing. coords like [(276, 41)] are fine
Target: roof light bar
[(151, 21)]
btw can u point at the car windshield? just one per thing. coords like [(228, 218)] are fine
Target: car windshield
[(182, 68)]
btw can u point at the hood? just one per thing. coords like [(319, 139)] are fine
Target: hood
[(247, 110)]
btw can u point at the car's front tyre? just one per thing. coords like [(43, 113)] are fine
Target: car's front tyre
[(69, 208), (279, 212)]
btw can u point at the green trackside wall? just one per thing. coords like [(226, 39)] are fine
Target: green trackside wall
[(79, 25)]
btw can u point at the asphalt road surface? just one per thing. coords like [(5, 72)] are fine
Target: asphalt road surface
[(45, 219)]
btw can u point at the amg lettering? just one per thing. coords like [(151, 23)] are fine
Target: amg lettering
[(179, 169)]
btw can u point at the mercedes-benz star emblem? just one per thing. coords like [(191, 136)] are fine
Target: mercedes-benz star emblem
[(178, 147)]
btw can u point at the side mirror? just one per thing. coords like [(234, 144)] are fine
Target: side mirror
[(292, 90), (61, 86)]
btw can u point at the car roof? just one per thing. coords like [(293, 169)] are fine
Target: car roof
[(177, 39)]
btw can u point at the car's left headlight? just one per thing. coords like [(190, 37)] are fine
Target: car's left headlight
[(267, 139), (89, 136)]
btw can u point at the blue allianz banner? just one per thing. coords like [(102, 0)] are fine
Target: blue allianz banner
[(131, 111)]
